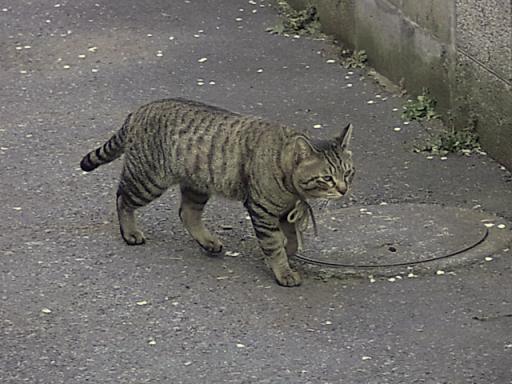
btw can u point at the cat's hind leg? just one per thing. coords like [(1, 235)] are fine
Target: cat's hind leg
[(135, 190), (191, 209), (291, 236)]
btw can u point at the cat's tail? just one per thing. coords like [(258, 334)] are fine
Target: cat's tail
[(111, 150)]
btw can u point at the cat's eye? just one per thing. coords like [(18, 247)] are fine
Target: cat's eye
[(327, 178)]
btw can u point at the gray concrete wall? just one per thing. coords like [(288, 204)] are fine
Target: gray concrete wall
[(459, 49), (483, 87)]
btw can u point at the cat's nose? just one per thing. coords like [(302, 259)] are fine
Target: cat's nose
[(342, 189)]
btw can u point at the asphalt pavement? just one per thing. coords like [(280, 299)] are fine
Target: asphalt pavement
[(79, 306)]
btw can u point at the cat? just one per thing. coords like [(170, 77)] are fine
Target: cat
[(209, 151)]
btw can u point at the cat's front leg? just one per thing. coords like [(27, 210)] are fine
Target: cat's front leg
[(272, 241)]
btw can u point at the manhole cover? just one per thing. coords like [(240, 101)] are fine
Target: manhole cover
[(387, 237)]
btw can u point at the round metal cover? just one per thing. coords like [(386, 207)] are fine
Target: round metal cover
[(392, 235)]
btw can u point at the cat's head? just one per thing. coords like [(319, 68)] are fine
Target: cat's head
[(323, 169)]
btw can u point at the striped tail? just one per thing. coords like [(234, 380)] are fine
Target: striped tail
[(111, 150)]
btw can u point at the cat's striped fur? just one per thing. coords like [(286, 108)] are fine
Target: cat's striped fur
[(209, 150)]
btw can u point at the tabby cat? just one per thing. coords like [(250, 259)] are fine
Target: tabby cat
[(209, 150)]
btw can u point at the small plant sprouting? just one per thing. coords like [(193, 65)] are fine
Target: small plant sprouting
[(423, 108), (463, 141), (355, 59), (304, 22)]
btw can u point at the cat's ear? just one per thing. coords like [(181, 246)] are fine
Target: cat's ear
[(303, 149), (344, 139)]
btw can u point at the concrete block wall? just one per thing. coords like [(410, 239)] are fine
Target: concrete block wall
[(483, 86), (461, 50)]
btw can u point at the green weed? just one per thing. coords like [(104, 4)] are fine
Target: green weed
[(422, 108), (355, 59), (451, 141), (304, 22)]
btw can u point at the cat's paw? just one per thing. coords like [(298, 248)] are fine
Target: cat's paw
[(211, 245), (289, 278), (135, 237)]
